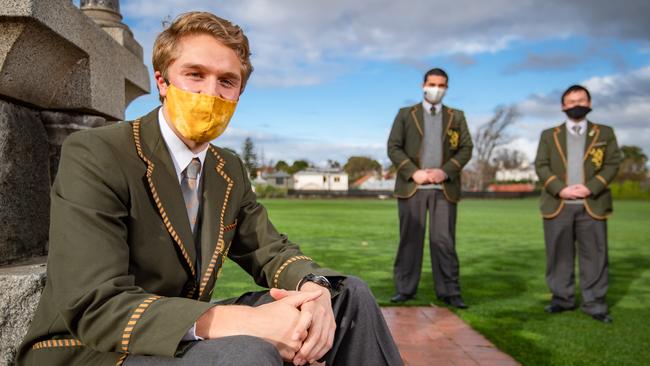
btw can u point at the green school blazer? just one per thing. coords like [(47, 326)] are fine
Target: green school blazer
[(602, 158), (121, 274), (404, 144)]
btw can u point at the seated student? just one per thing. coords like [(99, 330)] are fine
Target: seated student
[(145, 213)]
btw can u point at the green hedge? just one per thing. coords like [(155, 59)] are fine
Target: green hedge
[(267, 191), (630, 189)]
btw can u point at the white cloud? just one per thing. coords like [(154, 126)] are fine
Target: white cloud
[(291, 148), (306, 42), (621, 101)]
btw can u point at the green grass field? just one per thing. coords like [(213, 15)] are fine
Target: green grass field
[(501, 251)]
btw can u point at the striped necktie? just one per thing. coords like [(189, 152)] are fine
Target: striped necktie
[(189, 186), (577, 129)]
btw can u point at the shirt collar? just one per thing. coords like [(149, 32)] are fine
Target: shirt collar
[(427, 106), (180, 153), (570, 124)]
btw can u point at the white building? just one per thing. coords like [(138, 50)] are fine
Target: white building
[(372, 182), (320, 180), (517, 175)]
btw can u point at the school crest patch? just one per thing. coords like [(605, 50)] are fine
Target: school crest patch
[(597, 155), (453, 138)]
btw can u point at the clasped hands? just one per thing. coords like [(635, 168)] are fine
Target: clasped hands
[(427, 176), (574, 192), (300, 324)]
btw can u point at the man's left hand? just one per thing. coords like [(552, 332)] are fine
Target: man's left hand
[(320, 336), (581, 191), (436, 176)]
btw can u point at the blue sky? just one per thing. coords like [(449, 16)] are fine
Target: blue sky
[(330, 76)]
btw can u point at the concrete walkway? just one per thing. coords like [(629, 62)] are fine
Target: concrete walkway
[(436, 336)]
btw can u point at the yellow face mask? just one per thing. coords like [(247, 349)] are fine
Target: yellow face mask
[(198, 117)]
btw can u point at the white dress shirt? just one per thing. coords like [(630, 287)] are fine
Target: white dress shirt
[(427, 106), (581, 124), (181, 156)]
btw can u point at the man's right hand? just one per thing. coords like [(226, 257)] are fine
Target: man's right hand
[(278, 322), (420, 176)]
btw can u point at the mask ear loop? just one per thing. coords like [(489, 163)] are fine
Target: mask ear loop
[(166, 81)]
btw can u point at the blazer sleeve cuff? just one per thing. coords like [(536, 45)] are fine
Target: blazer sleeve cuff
[(554, 185), (406, 168), (452, 168), (597, 184), (157, 328), (294, 269)]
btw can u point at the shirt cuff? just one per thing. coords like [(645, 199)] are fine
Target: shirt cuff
[(191, 334)]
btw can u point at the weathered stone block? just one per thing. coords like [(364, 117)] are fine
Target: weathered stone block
[(21, 289), (24, 183), (73, 63), (60, 125)]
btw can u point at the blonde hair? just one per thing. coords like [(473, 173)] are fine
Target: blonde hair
[(191, 23)]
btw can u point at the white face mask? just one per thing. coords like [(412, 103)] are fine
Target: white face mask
[(434, 94)]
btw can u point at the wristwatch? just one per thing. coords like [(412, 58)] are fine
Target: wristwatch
[(319, 280)]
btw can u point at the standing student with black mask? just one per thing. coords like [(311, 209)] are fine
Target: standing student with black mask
[(576, 161)]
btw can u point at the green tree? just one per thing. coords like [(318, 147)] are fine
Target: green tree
[(282, 166), (358, 166), (297, 166), (250, 157)]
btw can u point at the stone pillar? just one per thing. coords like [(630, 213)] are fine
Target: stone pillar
[(103, 12), (106, 13), (62, 69), (94, 80)]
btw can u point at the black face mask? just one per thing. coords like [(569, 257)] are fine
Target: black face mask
[(577, 112)]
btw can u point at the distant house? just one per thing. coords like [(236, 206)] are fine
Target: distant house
[(320, 180), (265, 170), (259, 180), (279, 179), (373, 182)]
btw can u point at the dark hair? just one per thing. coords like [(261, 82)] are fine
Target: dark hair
[(438, 72), (575, 88)]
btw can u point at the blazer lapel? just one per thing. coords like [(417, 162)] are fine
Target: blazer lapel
[(217, 186), (559, 137), (593, 132), (163, 186), (417, 113), (447, 119)]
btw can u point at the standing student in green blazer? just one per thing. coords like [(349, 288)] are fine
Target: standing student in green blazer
[(429, 144), (145, 213), (576, 161)]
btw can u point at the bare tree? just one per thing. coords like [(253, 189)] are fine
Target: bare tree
[(634, 165), (508, 158), (333, 164), (488, 137)]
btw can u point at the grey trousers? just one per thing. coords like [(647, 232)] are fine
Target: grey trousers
[(574, 225), (442, 243), (362, 336)]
